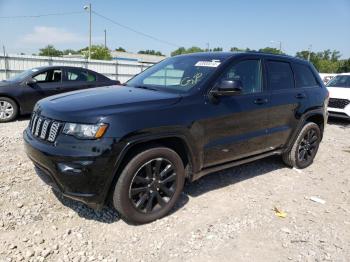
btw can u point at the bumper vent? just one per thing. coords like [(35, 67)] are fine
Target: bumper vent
[(338, 103), (44, 128)]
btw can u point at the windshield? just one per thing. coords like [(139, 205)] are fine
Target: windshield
[(23, 75), (179, 74), (340, 81)]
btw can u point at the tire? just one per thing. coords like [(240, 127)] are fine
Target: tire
[(303, 151), (8, 109), (140, 185)]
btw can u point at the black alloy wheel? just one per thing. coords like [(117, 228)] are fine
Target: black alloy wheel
[(153, 185), (149, 185), (305, 147), (308, 145)]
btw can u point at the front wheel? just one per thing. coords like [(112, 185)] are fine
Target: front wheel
[(304, 148), (149, 185)]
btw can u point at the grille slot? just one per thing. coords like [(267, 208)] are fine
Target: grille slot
[(53, 131), (338, 103), (38, 126), (43, 128)]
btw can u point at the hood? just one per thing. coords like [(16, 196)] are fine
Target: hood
[(339, 92), (5, 84), (91, 104)]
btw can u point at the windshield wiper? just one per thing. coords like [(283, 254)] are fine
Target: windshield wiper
[(146, 87)]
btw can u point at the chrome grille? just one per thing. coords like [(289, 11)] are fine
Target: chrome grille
[(44, 128)]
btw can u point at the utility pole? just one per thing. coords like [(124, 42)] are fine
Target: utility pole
[(280, 46), (88, 8), (308, 56), (208, 50), (5, 62), (105, 38)]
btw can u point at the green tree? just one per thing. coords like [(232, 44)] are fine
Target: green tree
[(182, 50), (335, 55), (344, 66), (98, 52), (50, 50), (270, 50), (215, 49), (237, 49), (70, 51), (194, 49), (179, 51), (150, 52), (326, 61), (120, 49)]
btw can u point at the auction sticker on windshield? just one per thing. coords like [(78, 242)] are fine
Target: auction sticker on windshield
[(213, 63)]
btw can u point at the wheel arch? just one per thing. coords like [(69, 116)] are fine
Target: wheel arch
[(14, 99), (316, 116), (318, 119), (178, 143)]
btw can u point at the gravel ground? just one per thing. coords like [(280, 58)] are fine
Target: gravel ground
[(228, 216)]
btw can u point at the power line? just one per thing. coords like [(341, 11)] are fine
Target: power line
[(40, 15), (102, 16), (134, 30)]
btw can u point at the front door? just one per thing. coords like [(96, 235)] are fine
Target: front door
[(237, 127), (48, 83)]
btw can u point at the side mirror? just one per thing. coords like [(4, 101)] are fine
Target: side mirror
[(31, 82), (228, 88)]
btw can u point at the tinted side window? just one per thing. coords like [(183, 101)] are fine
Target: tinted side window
[(248, 72), (53, 75), (91, 77), (304, 76), (78, 75), (280, 75)]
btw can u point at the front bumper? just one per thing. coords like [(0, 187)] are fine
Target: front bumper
[(339, 112), (80, 169)]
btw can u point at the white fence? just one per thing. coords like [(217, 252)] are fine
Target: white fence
[(117, 70)]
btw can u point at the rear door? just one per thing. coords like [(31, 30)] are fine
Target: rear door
[(287, 102), (237, 127), (77, 79)]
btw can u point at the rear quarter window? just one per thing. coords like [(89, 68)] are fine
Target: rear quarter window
[(304, 77)]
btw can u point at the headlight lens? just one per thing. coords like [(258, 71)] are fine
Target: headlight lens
[(85, 131)]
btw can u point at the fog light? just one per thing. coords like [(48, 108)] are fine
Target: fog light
[(66, 169)]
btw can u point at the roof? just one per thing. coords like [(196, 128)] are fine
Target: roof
[(226, 55)]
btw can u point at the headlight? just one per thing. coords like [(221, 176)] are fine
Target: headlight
[(85, 131)]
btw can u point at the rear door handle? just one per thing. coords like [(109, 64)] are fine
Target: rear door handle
[(300, 96), (260, 101)]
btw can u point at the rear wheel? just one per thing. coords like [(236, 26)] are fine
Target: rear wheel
[(149, 185), (304, 148), (8, 109)]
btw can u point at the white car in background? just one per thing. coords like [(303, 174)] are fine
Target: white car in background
[(339, 96)]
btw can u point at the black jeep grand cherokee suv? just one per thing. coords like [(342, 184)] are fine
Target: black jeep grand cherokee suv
[(190, 115)]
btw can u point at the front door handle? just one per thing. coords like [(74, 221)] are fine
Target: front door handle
[(260, 101), (300, 96)]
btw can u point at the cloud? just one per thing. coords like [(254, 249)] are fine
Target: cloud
[(51, 35)]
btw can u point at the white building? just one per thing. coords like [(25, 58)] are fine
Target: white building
[(141, 58)]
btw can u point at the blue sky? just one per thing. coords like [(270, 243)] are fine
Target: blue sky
[(226, 23)]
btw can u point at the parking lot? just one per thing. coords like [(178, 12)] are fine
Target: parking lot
[(228, 216)]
